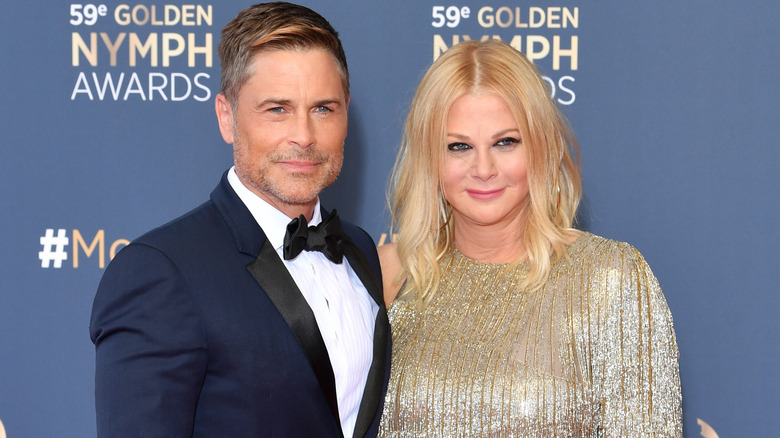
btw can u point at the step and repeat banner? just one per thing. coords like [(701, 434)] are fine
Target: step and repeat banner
[(108, 130)]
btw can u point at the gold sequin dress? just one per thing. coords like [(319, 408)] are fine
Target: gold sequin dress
[(591, 354)]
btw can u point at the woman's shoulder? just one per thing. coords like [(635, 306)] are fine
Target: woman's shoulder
[(391, 268), (609, 261), (599, 258), (598, 248)]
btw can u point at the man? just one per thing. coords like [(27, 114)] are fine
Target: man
[(219, 323)]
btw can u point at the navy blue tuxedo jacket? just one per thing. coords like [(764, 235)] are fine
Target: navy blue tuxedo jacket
[(200, 331)]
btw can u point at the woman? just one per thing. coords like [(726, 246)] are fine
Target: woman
[(507, 321)]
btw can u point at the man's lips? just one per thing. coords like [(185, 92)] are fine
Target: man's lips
[(299, 165)]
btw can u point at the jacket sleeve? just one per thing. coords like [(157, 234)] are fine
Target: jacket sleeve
[(636, 369), (150, 348)]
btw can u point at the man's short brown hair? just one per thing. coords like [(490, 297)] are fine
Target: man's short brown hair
[(273, 26)]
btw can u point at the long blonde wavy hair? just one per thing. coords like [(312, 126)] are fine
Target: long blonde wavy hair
[(420, 213)]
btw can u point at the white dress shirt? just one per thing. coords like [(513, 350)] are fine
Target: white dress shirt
[(344, 310)]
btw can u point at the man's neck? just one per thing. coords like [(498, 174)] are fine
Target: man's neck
[(291, 210)]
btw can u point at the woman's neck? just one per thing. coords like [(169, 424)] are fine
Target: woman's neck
[(499, 243)]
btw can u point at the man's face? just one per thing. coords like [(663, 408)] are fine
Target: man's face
[(289, 127)]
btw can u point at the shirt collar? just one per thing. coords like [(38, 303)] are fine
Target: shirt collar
[(272, 221)]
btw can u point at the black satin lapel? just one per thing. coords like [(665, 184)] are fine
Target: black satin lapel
[(372, 394), (269, 271), (357, 260)]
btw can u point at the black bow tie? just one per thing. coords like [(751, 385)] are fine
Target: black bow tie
[(327, 237)]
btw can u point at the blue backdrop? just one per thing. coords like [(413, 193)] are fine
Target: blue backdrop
[(108, 130)]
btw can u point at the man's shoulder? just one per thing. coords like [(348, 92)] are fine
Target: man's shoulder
[(195, 222), (359, 236), (200, 226)]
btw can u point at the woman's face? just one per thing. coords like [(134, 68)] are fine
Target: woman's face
[(484, 172)]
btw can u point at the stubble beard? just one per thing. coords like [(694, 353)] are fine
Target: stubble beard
[(294, 188)]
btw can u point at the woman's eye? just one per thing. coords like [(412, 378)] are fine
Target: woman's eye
[(508, 141), (458, 147)]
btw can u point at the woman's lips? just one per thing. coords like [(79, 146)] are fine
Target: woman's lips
[(484, 194)]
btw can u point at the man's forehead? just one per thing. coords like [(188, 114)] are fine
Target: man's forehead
[(292, 74)]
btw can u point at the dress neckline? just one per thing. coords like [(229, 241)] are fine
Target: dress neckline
[(573, 246)]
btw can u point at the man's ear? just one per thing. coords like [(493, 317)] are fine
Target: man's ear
[(224, 117), (347, 101)]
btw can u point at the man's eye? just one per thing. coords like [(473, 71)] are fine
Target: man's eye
[(323, 109), (458, 147)]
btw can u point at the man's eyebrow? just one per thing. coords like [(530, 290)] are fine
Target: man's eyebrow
[(274, 101), (284, 102), (329, 101)]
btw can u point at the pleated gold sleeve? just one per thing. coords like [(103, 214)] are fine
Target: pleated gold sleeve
[(591, 354)]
